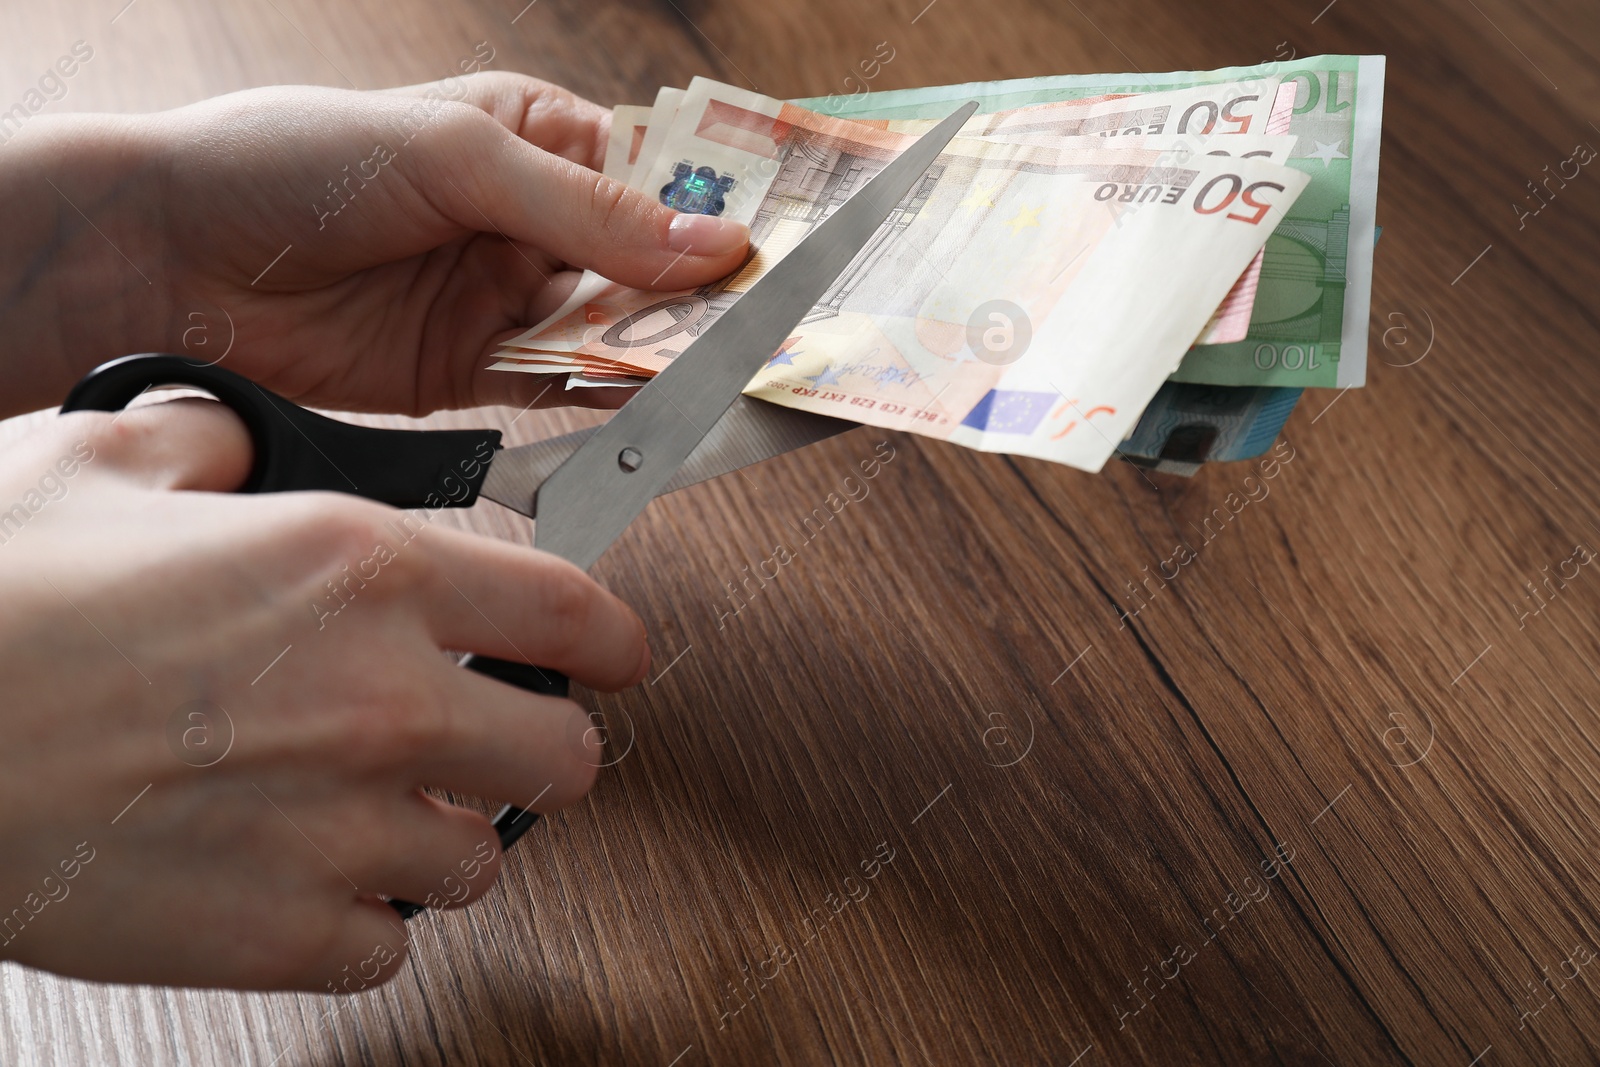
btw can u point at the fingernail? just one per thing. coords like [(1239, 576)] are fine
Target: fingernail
[(706, 235)]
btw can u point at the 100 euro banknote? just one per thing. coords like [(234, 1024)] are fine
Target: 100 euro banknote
[(1112, 260), (1309, 325)]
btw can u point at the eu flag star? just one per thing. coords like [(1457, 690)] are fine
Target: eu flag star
[(982, 196), (1024, 218)]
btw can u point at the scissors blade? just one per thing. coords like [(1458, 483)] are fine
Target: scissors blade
[(750, 431), (608, 481)]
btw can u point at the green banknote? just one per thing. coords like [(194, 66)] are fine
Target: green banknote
[(1309, 326)]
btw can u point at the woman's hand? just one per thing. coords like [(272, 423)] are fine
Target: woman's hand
[(219, 709), (359, 250)]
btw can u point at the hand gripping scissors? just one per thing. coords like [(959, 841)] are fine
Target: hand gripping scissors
[(688, 424)]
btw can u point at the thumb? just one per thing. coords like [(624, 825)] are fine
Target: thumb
[(191, 443), (588, 220)]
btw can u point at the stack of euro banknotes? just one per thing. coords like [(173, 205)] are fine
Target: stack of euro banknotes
[(1146, 265)]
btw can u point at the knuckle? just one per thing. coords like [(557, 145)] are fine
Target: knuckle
[(342, 523), (584, 754), (350, 542), (397, 723), (301, 961), (610, 204), (462, 111), (368, 965), (569, 600), (100, 434), (460, 121), (414, 728), (587, 769), (315, 949), (511, 86), (469, 875)]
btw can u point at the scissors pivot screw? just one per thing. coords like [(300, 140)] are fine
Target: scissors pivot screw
[(630, 459)]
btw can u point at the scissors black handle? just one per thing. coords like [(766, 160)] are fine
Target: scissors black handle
[(299, 450)]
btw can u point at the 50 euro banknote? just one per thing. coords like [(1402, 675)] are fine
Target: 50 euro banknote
[(1102, 267), (1249, 117)]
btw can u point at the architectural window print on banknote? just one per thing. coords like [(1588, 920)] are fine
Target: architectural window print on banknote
[(1187, 425), (814, 175)]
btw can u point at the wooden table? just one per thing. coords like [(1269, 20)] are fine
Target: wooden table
[(1330, 748)]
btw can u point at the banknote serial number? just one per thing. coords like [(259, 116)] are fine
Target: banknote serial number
[(888, 407)]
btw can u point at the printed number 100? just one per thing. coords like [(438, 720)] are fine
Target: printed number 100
[(1292, 357)]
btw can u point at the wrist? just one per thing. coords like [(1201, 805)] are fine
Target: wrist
[(83, 267)]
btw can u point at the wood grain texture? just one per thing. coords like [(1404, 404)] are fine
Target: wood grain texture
[(1340, 680)]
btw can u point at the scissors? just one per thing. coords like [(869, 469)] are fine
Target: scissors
[(688, 424)]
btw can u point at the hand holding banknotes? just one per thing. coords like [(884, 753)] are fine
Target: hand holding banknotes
[(352, 250)]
